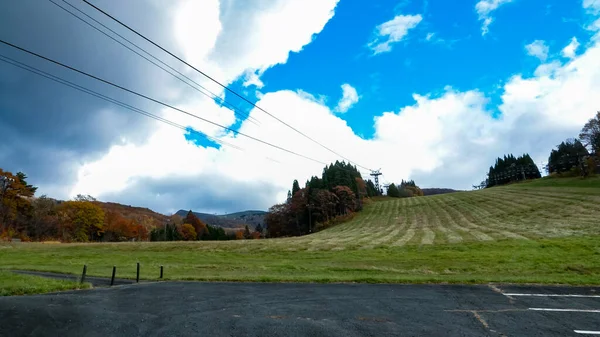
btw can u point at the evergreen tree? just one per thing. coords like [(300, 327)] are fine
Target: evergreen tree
[(393, 191), (371, 190), (510, 168), (295, 187), (568, 155)]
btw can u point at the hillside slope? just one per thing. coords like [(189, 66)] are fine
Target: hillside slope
[(234, 220), (147, 217), (546, 208)]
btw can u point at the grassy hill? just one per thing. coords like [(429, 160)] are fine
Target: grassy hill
[(546, 231)]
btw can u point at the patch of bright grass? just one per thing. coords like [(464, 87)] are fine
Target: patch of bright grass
[(17, 284)]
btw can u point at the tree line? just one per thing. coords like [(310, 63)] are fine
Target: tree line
[(572, 157), (80, 220), (191, 228), (322, 202), (84, 219), (406, 189)]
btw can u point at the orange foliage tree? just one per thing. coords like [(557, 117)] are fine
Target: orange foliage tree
[(13, 195), (239, 235), (199, 226), (80, 221), (188, 233)]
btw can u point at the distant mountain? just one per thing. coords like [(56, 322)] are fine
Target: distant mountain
[(233, 220), (434, 191), (144, 216)]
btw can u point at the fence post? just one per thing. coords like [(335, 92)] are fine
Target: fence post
[(161, 272), (83, 273), (112, 279), (137, 278)]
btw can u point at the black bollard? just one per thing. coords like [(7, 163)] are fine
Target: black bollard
[(112, 279), (161, 272), (83, 273), (137, 278)]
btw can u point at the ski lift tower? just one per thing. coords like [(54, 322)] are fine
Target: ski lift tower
[(376, 175)]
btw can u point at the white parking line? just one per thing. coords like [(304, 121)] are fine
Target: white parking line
[(565, 310), (551, 295), (586, 332)]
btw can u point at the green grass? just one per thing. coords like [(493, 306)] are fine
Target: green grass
[(591, 182), (16, 284), (528, 232)]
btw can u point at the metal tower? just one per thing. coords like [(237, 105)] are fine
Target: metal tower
[(376, 175)]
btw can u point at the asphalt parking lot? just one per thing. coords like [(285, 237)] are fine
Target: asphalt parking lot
[(265, 309)]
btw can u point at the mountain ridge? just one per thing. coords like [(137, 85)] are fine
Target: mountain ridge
[(237, 220)]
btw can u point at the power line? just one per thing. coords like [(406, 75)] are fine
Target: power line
[(214, 96), (219, 83), (160, 102), (96, 94)]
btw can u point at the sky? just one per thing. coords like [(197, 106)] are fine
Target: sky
[(427, 90)]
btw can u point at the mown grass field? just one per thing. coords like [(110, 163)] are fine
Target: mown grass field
[(546, 231)]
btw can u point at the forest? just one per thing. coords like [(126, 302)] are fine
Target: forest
[(335, 197), (85, 219)]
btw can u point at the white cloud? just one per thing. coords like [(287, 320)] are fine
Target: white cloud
[(593, 6), (429, 36), (539, 49), (484, 9), (393, 31), (239, 38), (571, 49), (349, 98)]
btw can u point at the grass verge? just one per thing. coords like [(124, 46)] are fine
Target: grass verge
[(573, 260), (16, 284)]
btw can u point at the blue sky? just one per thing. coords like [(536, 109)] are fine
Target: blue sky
[(427, 90), (457, 55)]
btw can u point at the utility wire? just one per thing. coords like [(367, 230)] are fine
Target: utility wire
[(75, 86), (220, 84), (161, 103), (210, 94)]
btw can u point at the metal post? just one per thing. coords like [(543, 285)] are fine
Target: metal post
[(161, 272), (112, 279), (137, 278), (83, 273)]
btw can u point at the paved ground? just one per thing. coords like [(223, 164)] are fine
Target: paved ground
[(242, 309)]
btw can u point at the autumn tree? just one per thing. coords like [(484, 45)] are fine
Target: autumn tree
[(188, 233), (199, 226), (411, 187), (44, 221), (346, 199), (590, 134), (14, 195), (81, 221), (239, 235)]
